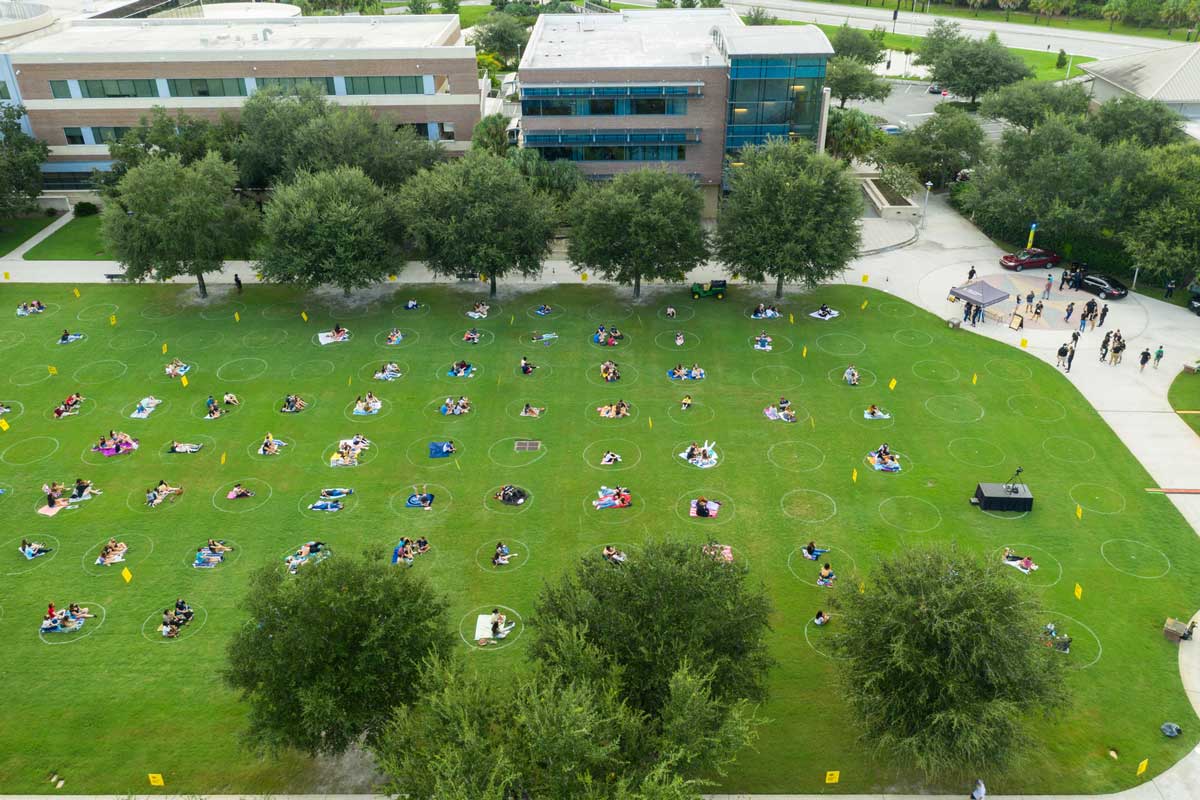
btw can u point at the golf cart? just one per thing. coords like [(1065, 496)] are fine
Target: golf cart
[(711, 289)]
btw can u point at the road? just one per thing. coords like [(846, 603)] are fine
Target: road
[(909, 105), (1028, 37)]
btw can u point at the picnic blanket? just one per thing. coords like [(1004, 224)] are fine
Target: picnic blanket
[(439, 450), (470, 373), (879, 465), (50, 511), (145, 408), (880, 415), (328, 338), (713, 508), (109, 452), (831, 315), (371, 411), (180, 370), (483, 627), (413, 502), (72, 337), (711, 461), (762, 344), (326, 505), (766, 315), (690, 375), (1017, 565)]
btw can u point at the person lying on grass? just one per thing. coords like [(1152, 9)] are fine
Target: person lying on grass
[(614, 411), (812, 552), (302, 556), (207, 557), (388, 372), (423, 497), (183, 447), (874, 412), (616, 497), (532, 411), (67, 620), (293, 404)]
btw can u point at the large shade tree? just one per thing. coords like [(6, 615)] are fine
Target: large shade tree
[(353, 136), (850, 79), (334, 227), (171, 219), (477, 215), (941, 659), (21, 159), (1164, 238), (1146, 122), (971, 67), (325, 655), (791, 214), (165, 133), (940, 147), (268, 122), (1028, 103), (642, 225)]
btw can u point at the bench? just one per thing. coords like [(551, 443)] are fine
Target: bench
[(1190, 368), (114, 277), (527, 445)]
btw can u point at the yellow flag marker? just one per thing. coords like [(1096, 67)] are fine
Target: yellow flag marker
[(863, 307), (6, 276), (1024, 343), (3, 425), (833, 776), (183, 380), (349, 380), (1078, 592), (974, 378), (791, 318), (1145, 762), (583, 276), (304, 316), (862, 588), (854, 475), (391, 277), (1078, 511), (112, 319), (222, 459), (126, 574), (76, 291), (52, 370), (804, 352), (156, 779), (651, 421), (511, 317), (812, 421), (164, 348), (865, 277), (892, 384), (237, 317)]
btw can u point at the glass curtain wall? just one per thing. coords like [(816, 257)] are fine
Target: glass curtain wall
[(773, 96)]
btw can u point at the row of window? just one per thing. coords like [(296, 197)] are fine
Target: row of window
[(599, 108), (661, 152), (609, 91), (100, 134), (234, 87), (666, 135)]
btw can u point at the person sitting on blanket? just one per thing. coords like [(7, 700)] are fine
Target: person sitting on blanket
[(543, 310), (850, 376), (147, 404), (616, 497), (395, 336), (679, 373), (367, 405), (702, 507), (83, 490), (671, 312), (60, 622), (1023, 563), (762, 341), (765, 312), (532, 411), (300, 557), (424, 498), (270, 445), (111, 553), (609, 372), (238, 492), (345, 456), (812, 552), (448, 447), (411, 305), (883, 450), (338, 333), (403, 552), (609, 458), (501, 556), (826, 576), (175, 368), (685, 403), (293, 404), (612, 555), (231, 399), (527, 367), (884, 459), (821, 618), (388, 372), (479, 311), (614, 411), (511, 495), (679, 338), (214, 411), (68, 337), (32, 550), (460, 369), (207, 558), (54, 492), (874, 412), (500, 624), (824, 311)]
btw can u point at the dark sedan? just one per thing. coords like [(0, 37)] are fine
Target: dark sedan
[(1103, 286), (1032, 258)]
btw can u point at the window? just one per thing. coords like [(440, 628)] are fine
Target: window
[(4, 94), (59, 181), (566, 107), (379, 84), (206, 87), (74, 135), (119, 88), (292, 85), (106, 135), (601, 107), (447, 131), (649, 106), (61, 90), (665, 152)]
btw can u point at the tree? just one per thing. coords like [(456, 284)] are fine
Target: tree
[(1174, 13), (850, 79), (1113, 11), (1142, 12), (169, 219), (640, 621), (1026, 103), (502, 34), (687, 3), (941, 660), (1008, 6), (971, 67), (419, 6), (757, 15), (558, 180), (664, 4), (269, 121), (163, 133), (1040, 7), (852, 134), (943, 35), (901, 179), (791, 214), (21, 159), (448, 6), (491, 134), (477, 215), (710, 3), (1164, 239), (641, 225), (352, 136), (939, 148), (1148, 122), (334, 227), (863, 46), (326, 654), (976, 5)]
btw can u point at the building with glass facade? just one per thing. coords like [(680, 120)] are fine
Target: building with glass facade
[(682, 88), (85, 81)]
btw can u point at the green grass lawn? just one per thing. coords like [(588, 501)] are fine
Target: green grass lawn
[(15, 231), (78, 240), (107, 706), (1185, 396)]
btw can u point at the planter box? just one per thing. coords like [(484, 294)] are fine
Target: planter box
[(885, 208)]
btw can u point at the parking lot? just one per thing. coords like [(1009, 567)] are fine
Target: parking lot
[(910, 104)]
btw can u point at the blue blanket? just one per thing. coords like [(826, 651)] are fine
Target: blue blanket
[(413, 502), (468, 374), (438, 450)]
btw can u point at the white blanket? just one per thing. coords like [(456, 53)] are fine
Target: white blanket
[(327, 338), (880, 415), (1017, 565), (483, 627), (711, 447), (832, 315)]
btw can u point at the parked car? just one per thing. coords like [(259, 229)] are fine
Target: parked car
[(934, 89), (1194, 301), (1032, 258), (890, 130), (1105, 287)]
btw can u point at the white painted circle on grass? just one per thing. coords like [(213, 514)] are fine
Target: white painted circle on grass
[(935, 371), (594, 417), (777, 377), (223, 313), (364, 457), (957, 409), (240, 370), (1043, 409), (856, 414), (433, 408), (267, 337), (89, 627), (1008, 369), (909, 513), (603, 313), (910, 337), (834, 556), (132, 339), (467, 623), (494, 310), (681, 447), (136, 500), (795, 455), (779, 344), (1139, 560), (699, 414), (284, 450), (313, 368), (230, 557), (1097, 499), (897, 309), (1054, 616), (159, 311), (244, 505), (97, 311), (417, 453), (841, 344), (816, 649), (348, 412), (628, 450), (1068, 449), (612, 515), (26, 453), (10, 339), (975, 452), (28, 376), (94, 373), (152, 623), (556, 312), (682, 314), (808, 506)]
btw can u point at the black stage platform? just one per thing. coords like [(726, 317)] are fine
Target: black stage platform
[(998, 497)]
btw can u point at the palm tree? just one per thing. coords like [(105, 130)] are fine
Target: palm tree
[(1174, 13), (1009, 5), (1114, 11)]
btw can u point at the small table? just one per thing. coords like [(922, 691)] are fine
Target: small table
[(1174, 630)]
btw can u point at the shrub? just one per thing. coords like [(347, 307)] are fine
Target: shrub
[(86, 209)]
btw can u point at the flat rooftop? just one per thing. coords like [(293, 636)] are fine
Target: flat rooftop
[(240, 38), (654, 38)]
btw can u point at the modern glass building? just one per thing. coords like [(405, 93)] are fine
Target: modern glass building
[(683, 88)]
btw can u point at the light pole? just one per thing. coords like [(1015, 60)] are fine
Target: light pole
[(925, 209)]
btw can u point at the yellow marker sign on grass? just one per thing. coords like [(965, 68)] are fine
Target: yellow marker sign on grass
[(156, 779), (222, 459), (1024, 343), (892, 385), (651, 421), (76, 291), (112, 319), (183, 381), (833, 776), (1078, 511), (863, 307), (791, 318), (391, 277), (164, 348), (126, 574), (52, 370), (804, 352), (812, 421), (854, 475), (1078, 592), (6, 276), (304, 316), (3, 425), (511, 317), (1145, 762), (583, 276), (974, 378), (865, 277), (237, 317)]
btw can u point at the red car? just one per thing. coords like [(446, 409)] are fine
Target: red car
[(1032, 258)]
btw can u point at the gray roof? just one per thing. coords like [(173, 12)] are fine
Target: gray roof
[(980, 293), (1171, 75)]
